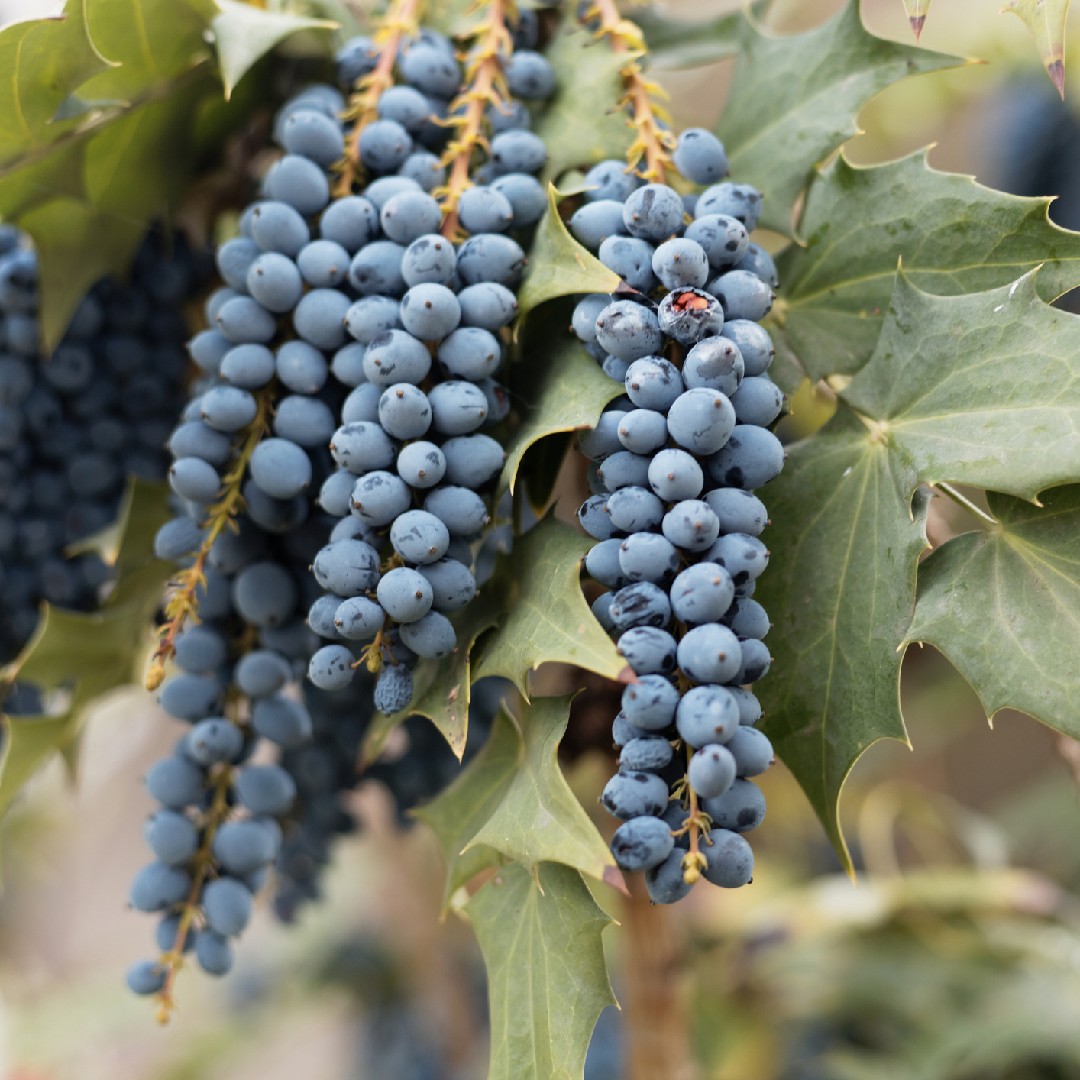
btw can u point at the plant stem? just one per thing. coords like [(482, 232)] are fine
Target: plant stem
[(485, 85), (654, 992), (182, 604), (962, 500), (400, 21), (653, 142)]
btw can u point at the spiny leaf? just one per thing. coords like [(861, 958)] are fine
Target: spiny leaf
[(244, 34), (839, 589), (916, 13), (952, 234), (574, 133), (44, 62), (794, 101), (445, 699), (538, 819), (547, 981), (1046, 21), (458, 814), (125, 158), (1003, 604), (548, 620), (86, 655), (563, 390), (990, 396), (559, 265)]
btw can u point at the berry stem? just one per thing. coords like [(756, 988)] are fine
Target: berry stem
[(485, 84), (173, 960), (653, 141), (402, 20), (183, 603)]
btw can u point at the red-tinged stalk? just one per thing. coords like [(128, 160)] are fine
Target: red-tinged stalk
[(182, 605), (650, 120), (402, 21), (490, 44)]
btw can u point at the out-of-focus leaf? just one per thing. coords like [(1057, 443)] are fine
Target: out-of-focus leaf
[(85, 655), (916, 13), (1046, 21), (244, 34), (583, 123), (1003, 604), (547, 981)]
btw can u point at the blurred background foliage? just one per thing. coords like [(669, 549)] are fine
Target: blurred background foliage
[(955, 956)]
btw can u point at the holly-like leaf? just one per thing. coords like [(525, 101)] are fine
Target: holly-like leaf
[(537, 819), (458, 814), (583, 123), (952, 234), (124, 155), (794, 101), (563, 389), (981, 389), (244, 34), (916, 13), (85, 655), (1003, 604), (1046, 21), (44, 62), (990, 397), (559, 265), (548, 619), (547, 980), (445, 699)]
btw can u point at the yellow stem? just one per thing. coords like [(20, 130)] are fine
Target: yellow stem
[(653, 142), (402, 20), (485, 85), (183, 604)]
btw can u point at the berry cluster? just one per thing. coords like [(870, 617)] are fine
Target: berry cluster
[(675, 463), (426, 301), (328, 472), (76, 423)]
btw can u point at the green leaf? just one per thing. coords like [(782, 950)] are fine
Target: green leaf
[(583, 122), (839, 589), (244, 34), (1003, 605), (44, 62), (444, 700), (85, 655), (952, 234), (562, 390), (547, 980), (458, 814), (559, 265), (1046, 21), (538, 819), (939, 400), (794, 101), (916, 13), (106, 173), (991, 395), (681, 43), (548, 619)]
